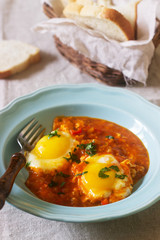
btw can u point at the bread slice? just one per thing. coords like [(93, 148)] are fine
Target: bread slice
[(128, 10), (16, 56), (107, 20)]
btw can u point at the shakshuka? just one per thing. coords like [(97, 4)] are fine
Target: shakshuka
[(86, 162)]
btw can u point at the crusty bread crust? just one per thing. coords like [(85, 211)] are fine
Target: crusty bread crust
[(35, 58), (5, 74), (116, 17)]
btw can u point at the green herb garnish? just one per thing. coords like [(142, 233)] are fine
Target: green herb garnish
[(102, 174), (60, 193), (107, 169), (68, 158), (90, 148), (27, 164), (62, 184), (110, 137), (62, 174), (73, 157), (80, 174), (52, 184), (86, 162), (54, 133), (114, 168), (82, 146), (122, 176)]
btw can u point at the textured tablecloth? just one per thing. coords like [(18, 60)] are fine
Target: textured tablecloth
[(16, 19)]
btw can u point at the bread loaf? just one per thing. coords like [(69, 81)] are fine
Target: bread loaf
[(117, 22), (16, 56)]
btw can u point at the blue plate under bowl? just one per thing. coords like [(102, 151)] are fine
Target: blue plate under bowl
[(94, 100)]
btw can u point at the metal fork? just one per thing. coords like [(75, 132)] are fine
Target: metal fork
[(27, 139)]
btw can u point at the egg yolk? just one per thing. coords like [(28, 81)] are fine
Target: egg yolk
[(96, 184), (53, 147)]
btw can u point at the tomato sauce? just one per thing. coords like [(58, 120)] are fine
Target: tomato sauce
[(109, 138)]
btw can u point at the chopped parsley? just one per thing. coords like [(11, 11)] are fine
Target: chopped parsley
[(60, 193), (62, 174), (62, 184), (110, 137), (86, 162), (114, 167), (82, 146), (90, 148), (27, 164), (122, 176), (80, 174), (73, 157), (52, 184), (102, 174), (54, 133), (55, 184)]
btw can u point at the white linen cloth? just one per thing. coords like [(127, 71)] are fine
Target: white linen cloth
[(16, 19)]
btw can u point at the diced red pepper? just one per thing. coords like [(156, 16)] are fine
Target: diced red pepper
[(104, 201), (75, 132)]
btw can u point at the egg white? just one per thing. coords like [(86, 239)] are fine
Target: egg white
[(121, 188)]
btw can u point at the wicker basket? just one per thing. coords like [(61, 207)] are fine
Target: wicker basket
[(99, 71)]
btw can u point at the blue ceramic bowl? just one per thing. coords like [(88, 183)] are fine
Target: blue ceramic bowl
[(94, 100)]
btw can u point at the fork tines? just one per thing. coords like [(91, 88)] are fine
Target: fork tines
[(32, 132)]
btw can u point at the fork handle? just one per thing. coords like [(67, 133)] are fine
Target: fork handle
[(17, 162)]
